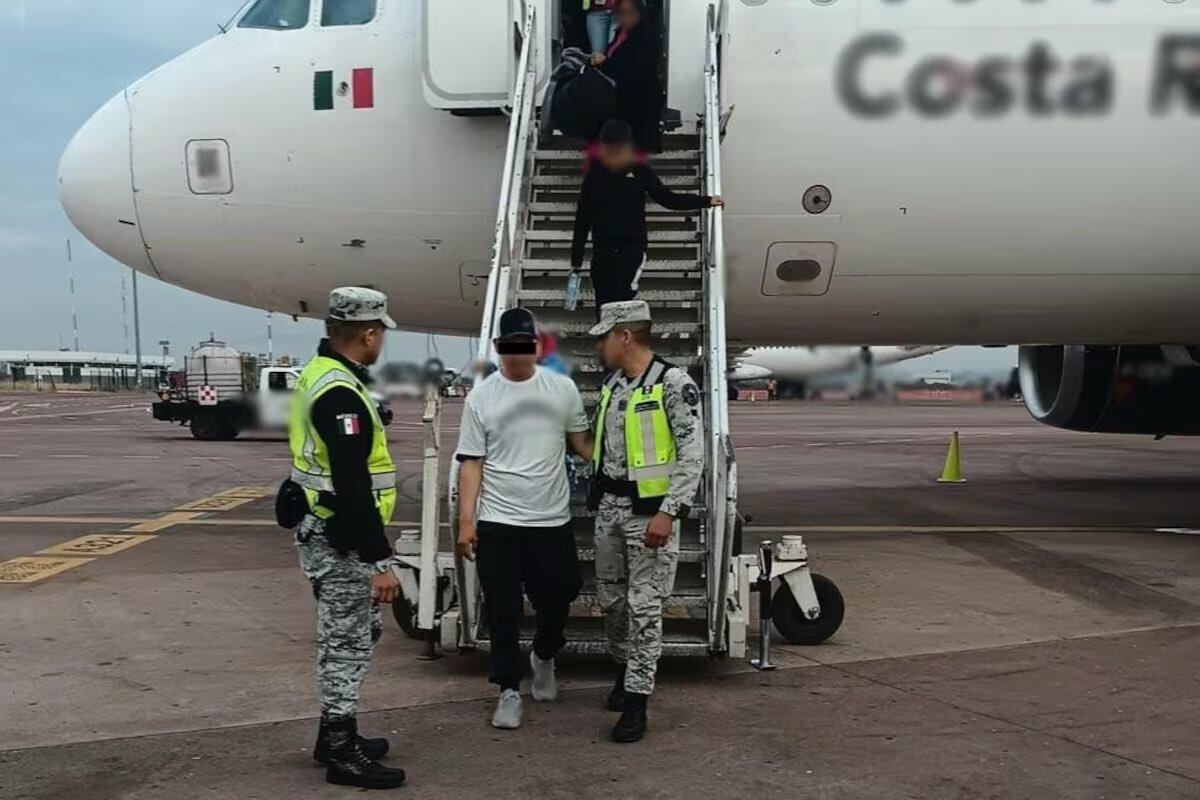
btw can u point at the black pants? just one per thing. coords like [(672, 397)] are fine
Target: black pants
[(613, 269), (545, 562)]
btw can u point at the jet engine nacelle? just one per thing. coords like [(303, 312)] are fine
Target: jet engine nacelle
[(1113, 389)]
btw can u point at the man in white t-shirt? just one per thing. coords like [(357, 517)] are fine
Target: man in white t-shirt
[(514, 506)]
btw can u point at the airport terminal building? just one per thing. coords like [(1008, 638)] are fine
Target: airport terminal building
[(49, 369)]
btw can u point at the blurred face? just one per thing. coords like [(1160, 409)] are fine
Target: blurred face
[(626, 16), (616, 157), (519, 362)]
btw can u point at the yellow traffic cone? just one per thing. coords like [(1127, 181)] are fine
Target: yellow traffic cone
[(952, 471)]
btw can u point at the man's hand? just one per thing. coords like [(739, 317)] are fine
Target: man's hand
[(384, 587), (658, 532), (468, 540), (598, 59), (716, 201)]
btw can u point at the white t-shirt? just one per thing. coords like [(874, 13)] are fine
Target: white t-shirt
[(519, 429)]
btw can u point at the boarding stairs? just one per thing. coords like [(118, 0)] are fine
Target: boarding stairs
[(683, 282)]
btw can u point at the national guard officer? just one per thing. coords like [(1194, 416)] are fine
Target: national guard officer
[(647, 461), (340, 458)]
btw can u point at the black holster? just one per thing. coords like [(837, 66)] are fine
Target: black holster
[(291, 504)]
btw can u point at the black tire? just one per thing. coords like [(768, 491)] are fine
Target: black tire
[(798, 629), (207, 426), (406, 613)]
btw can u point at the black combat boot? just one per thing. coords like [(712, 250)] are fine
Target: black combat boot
[(373, 749), (631, 727), (616, 698), (349, 766)]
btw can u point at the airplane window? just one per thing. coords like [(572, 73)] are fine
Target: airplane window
[(347, 12), (277, 15), (208, 166)]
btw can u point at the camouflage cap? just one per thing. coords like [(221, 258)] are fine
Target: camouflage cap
[(624, 312), (359, 304)]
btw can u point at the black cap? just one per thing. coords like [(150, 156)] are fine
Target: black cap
[(517, 323)]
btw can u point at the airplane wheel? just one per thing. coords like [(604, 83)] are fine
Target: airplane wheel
[(406, 613), (797, 628)]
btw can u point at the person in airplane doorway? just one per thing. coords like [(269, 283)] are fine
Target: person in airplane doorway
[(599, 24), (612, 208), (632, 61), (340, 461), (514, 507), (647, 462)]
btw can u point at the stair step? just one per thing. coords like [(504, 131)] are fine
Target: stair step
[(669, 141), (575, 180), (588, 554), (588, 297), (538, 223), (575, 155), (562, 265), (575, 168), (690, 235), (691, 646), (568, 209), (690, 604)]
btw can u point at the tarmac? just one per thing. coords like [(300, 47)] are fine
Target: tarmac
[(1032, 633)]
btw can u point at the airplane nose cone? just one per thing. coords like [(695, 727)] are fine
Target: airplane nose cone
[(96, 185)]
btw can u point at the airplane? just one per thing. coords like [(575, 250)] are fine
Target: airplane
[(895, 173), (801, 364)]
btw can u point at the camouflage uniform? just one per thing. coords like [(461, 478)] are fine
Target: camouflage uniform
[(349, 623), (633, 580)]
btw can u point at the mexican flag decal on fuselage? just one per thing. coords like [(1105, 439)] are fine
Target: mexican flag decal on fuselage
[(330, 94)]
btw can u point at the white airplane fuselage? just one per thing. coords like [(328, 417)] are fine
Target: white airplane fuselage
[(997, 173), (800, 364)]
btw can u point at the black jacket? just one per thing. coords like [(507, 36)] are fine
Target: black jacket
[(634, 67), (612, 206), (347, 427)]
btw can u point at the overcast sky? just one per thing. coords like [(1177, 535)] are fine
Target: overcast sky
[(61, 60)]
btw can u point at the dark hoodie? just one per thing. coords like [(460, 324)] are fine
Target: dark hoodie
[(612, 206)]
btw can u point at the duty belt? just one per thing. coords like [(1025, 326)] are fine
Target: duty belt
[(323, 483), (616, 487)]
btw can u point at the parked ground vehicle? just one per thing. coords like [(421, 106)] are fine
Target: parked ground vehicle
[(224, 392)]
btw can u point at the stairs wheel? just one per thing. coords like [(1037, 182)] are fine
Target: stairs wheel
[(406, 613), (798, 629)]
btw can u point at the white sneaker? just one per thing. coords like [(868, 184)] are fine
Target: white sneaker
[(545, 684), (508, 710)]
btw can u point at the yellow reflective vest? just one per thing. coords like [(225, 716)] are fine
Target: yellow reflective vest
[(310, 456), (649, 442)]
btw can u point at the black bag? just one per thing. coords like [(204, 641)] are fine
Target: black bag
[(584, 103), (291, 504)]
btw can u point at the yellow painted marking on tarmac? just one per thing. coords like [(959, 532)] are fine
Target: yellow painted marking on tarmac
[(96, 544), (163, 522), (52, 520), (227, 500), (31, 569)]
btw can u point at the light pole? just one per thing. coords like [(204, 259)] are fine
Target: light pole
[(137, 331)]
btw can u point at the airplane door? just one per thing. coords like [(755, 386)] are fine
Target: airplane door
[(470, 49)]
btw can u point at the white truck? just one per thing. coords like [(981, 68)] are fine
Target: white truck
[(222, 392)]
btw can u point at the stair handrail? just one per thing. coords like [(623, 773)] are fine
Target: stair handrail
[(507, 238), (721, 505)]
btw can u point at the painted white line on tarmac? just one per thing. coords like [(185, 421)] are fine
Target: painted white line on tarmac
[(1181, 531), (69, 455), (59, 416), (141, 456)]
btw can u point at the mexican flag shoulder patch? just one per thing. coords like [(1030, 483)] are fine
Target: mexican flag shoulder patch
[(349, 424)]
